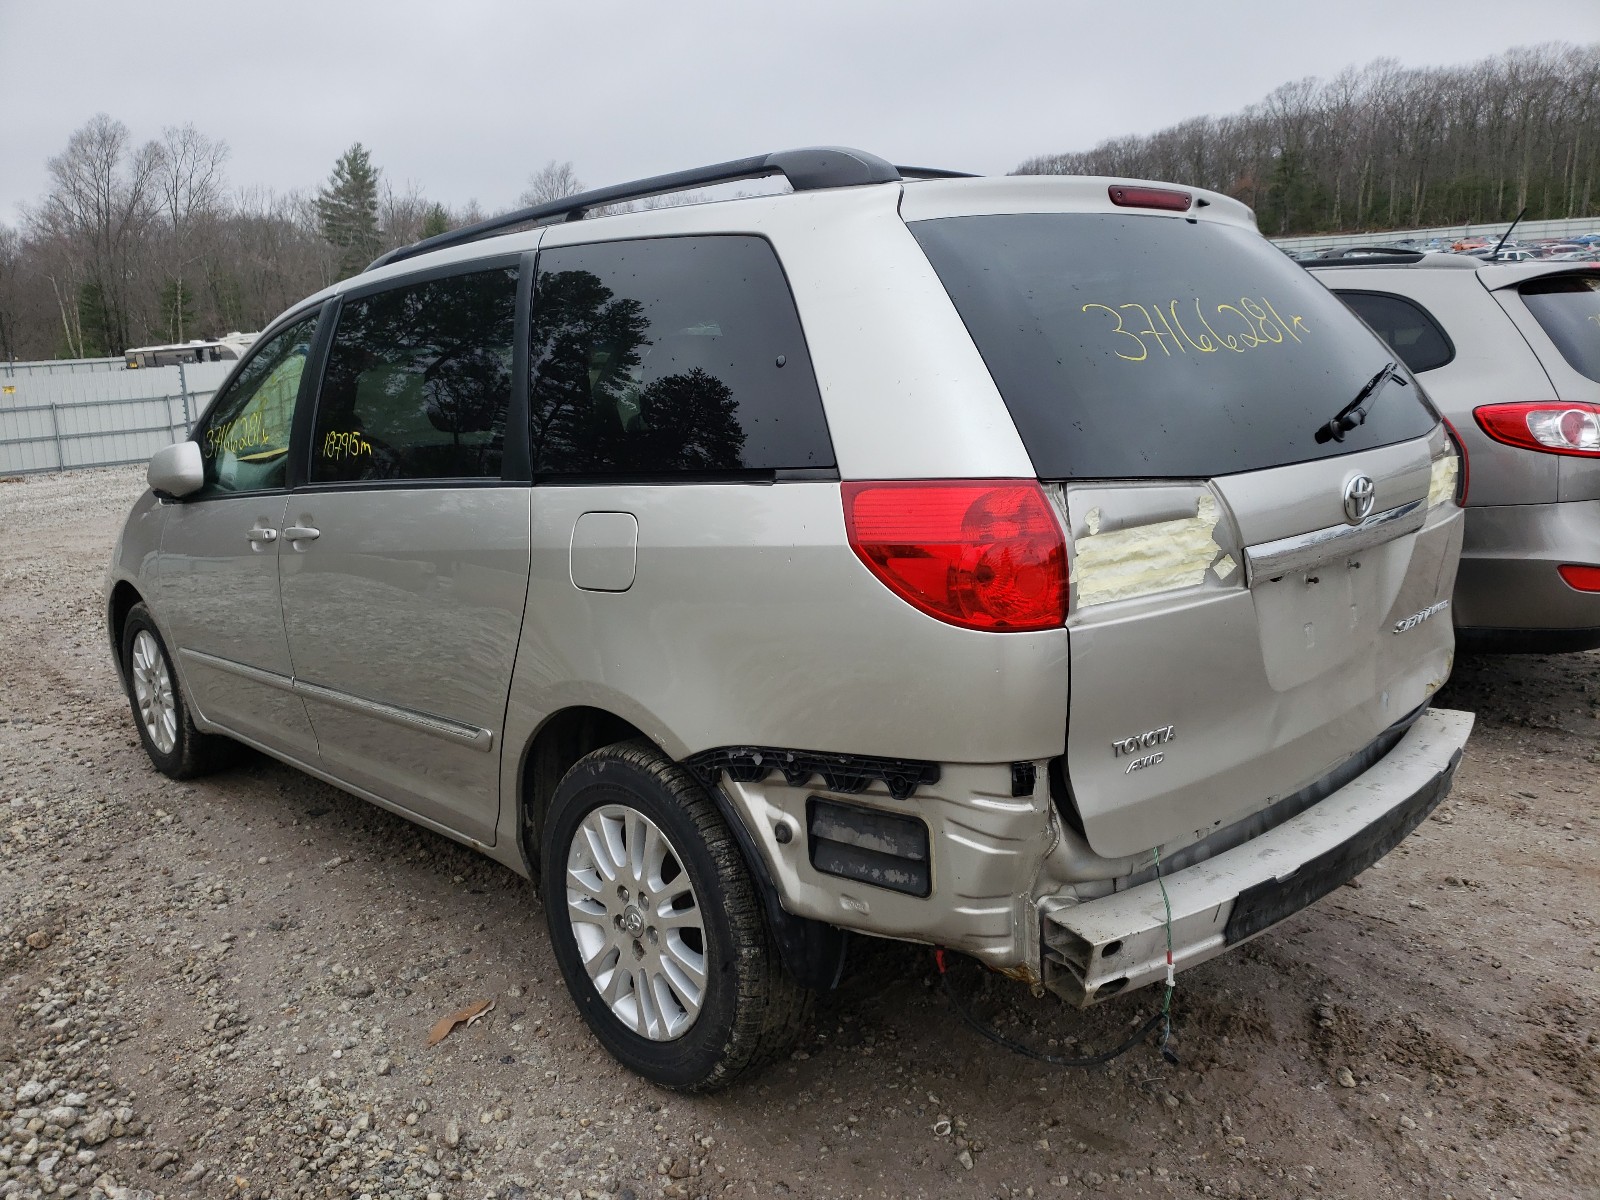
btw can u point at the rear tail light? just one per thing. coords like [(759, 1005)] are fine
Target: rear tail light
[(981, 554), (1552, 428), (1583, 578), (1128, 196), (1451, 472)]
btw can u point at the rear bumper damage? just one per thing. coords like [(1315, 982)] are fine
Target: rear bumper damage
[(1097, 948)]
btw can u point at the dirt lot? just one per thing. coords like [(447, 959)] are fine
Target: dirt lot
[(224, 988)]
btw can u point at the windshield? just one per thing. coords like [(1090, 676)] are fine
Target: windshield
[(1139, 347), (1568, 307)]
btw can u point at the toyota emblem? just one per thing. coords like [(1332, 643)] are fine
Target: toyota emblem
[(1358, 493)]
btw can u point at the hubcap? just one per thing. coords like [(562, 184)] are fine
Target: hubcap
[(637, 922), (152, 692)]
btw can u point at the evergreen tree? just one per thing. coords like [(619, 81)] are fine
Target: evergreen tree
[(435, 221), (347, 210), (177, 310), (95, 332)]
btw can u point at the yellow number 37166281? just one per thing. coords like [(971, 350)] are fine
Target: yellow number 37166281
[(1247, 325)]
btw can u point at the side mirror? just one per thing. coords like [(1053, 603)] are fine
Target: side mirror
[(176, 470)]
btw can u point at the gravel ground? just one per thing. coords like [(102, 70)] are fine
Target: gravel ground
[(224, 989)]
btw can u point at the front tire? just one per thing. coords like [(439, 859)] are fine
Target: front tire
[(658, 927), (177, 748)]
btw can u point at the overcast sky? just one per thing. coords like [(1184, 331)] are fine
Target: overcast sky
[(466, 98)]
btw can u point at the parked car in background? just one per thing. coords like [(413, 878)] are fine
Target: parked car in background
[(1040, 567), (1510, 352)]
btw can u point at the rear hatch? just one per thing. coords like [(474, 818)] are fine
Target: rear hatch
[(1236, 631), (1556, 307)]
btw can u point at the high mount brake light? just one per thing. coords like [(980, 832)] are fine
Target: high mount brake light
[(1583, 578), (1128, 196), (1547, 426), (983, 554)]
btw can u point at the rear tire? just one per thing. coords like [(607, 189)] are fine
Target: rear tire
[(658, 927), (160, 713)]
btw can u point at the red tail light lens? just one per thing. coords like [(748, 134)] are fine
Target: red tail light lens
[(986, 554), (1585, 579), (1127, 196), (1552, 428)]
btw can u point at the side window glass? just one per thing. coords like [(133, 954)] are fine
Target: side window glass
[(1410, 331), (418, 382), (671, 356), (244, 440)]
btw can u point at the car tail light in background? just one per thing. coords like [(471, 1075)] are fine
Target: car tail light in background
[(1129, 196), (1451, 473), (982, 554), (1552, 428), (1583, 578)]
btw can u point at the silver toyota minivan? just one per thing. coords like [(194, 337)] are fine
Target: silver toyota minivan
[(1510, 352), (1042, 568)]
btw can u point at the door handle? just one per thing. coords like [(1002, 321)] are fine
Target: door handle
[(260, 534), (301, 533)]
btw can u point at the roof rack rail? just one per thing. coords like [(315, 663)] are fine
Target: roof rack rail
[(932, 173), (808, 169)]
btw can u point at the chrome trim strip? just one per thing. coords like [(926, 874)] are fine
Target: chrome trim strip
[(455, 731), (269, 679), (1272, 559), (466, 735)]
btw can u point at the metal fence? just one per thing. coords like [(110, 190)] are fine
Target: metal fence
[(59, 366), (1563, 227), (61, 421)]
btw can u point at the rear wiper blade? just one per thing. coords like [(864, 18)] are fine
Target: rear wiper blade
[(1355, 413)]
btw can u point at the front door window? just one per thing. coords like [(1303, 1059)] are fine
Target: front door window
[(244, 440)]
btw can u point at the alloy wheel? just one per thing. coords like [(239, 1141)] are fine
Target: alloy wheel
[(637, 922), (153, 694)]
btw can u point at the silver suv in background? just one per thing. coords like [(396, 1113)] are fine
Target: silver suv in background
[(1510, 352), (1043, 568)]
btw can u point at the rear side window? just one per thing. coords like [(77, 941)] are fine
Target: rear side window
[(418, 382), (1144, 347), (671, 357), (1568, 307), (1410, 330), (244, 440)]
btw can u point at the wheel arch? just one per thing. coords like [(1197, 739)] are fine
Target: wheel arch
[(813, 952), (118, 605), (560, 741)]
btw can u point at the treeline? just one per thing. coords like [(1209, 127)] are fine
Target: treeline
[(1388, 147), (145, 243)]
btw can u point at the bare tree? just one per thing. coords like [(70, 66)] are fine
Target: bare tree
[(100, 208), (191, 186), (10, 266), (553, 181), (189, 177), (401, 215)]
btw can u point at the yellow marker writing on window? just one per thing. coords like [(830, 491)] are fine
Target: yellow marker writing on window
[(239, 436), (345, 444), (1162, 330)]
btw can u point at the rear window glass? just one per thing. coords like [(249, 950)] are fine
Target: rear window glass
[(1411, 331), (1568, 307), (1137, 347)]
